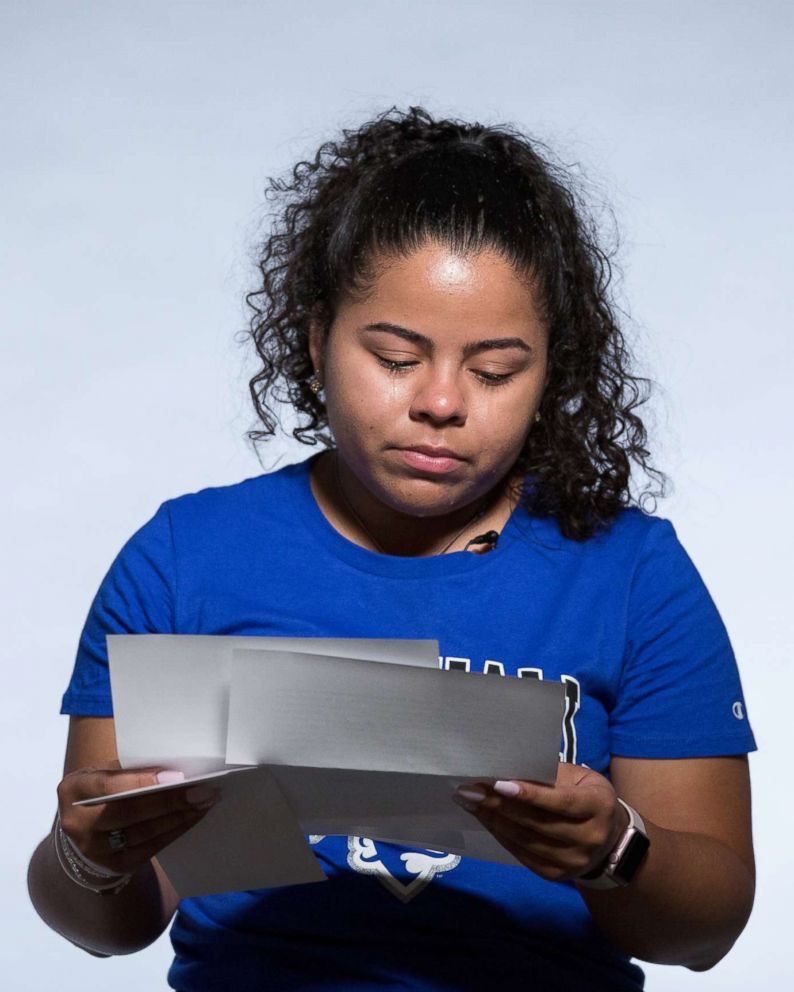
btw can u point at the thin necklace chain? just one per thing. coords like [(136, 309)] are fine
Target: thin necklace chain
[(477, 515)]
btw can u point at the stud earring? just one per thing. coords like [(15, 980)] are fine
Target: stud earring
[(538, 417), (315, 384)]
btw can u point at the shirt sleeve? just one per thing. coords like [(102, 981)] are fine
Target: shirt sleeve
[(137, 596), (680, 694)]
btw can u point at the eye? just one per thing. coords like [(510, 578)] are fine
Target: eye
[(394, 366), (493, 378)]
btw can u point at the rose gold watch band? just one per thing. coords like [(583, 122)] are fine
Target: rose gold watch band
[(626, 856)]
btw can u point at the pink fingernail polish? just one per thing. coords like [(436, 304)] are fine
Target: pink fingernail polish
[(169, 777), (507, 788), (470, 792), (468, 796)]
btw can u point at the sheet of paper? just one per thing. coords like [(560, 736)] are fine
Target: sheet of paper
[(249, 840), (345, 743), (299, 710), (171, 692), (404, 808)]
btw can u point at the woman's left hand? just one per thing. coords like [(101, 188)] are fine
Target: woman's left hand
[(560, 832)]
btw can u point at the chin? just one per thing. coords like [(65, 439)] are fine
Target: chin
[(424, 498)]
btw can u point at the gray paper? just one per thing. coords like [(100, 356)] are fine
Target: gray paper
[(248, 840), (404, 808), (353, 737), (297, 709), (171, 691)]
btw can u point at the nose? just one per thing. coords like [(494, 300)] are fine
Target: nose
[(439, 399)]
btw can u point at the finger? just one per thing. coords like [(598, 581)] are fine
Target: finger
[(481, 797), (542, 846), (550, 826), (143, 840), (145, 852), (572, 858), (582, 846), (567, 802), (78, 821), (549, 870), (132, 858), (87, 783), (147, 832), (574, 845), (525, 799), (556, 834), (123, 812)]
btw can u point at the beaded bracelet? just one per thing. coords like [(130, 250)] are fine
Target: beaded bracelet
[(91, 877)]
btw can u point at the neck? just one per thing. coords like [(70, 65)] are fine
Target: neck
[(362, 518)]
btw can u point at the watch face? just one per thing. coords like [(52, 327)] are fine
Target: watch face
[(631, 857)]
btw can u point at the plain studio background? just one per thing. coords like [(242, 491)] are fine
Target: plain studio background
[(137, 139)]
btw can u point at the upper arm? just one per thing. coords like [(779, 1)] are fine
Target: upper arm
[(680, 700), (708, 796)]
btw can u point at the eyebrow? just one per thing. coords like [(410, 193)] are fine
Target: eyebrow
[(473, 348)]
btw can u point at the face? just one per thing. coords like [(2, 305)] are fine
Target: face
[(433, 379)]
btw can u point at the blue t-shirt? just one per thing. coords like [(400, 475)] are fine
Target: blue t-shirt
[(623, 619)]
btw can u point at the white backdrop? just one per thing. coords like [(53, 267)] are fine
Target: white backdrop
[(136, 142)]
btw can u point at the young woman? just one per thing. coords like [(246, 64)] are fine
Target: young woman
[(434, 305)]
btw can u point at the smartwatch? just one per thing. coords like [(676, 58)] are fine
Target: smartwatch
[(625, 858)]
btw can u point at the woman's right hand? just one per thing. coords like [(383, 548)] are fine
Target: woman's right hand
[(143, 824)]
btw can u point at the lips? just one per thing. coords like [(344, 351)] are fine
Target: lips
[(431, 459), (434, 451)]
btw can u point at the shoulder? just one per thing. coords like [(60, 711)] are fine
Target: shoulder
[(260, 495), (637, 534), (633, 526), (632, 534), (645, 549), (217, 517)]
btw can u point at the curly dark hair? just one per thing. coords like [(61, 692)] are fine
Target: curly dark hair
[(406, 178)]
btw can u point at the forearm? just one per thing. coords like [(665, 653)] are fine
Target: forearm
[(687, 904), (103, 924)]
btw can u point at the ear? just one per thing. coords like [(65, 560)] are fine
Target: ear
[(317, 345)]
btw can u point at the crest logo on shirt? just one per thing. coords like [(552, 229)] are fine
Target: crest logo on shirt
[(422, 866)]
